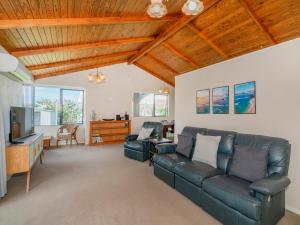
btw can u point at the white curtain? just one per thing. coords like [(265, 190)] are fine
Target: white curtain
[(3, 180)]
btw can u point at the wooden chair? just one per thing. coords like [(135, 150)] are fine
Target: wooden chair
[(67, 133), (63, 134), (73, 130)]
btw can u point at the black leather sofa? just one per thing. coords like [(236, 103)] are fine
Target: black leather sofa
[(231, 200), (139, 149)]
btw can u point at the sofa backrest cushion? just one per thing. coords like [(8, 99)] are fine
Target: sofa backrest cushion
[(185, 145), (249, 163), (193, 131), (226, 147), (157, 128), (278, 151)]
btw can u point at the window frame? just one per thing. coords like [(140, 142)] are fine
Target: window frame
[(153, 112), (61, 89)]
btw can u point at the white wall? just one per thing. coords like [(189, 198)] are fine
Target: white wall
[(11, 94), (276, 71), (112, 97)]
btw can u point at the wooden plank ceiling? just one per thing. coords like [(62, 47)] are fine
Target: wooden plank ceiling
[(54, 37)]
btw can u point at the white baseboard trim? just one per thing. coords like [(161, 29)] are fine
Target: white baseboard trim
[(292, 209)]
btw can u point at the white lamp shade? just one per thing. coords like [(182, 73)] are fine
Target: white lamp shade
[(193, 7), (157, 9), (8, 63)]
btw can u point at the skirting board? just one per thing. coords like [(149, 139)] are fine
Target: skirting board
[(294, 210)]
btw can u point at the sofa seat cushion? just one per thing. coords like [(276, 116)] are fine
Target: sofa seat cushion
[(195, 172), (169, 161), (134, 145), (233, 192)]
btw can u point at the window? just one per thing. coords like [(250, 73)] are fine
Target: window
[(149, 104), (55, 106), (72, 106)]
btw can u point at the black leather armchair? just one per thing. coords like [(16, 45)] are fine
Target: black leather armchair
[(139, 149)]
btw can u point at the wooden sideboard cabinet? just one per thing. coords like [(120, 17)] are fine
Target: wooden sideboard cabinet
[(103, 132), (20, 158)]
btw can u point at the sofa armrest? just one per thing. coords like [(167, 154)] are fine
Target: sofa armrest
[(132, 137), (270, 185), (166, 148)]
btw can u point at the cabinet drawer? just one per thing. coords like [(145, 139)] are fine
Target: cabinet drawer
[(109, 125), (114, 138), (111, 131)]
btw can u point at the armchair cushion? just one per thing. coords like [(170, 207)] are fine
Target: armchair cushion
[(166, 148), (145, 133), (132, 137), (270, 185), (134, 145)]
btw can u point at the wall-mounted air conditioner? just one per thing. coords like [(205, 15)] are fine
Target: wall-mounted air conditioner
[(13, 68)]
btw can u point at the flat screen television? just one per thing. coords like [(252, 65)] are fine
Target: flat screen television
[(21, 123)]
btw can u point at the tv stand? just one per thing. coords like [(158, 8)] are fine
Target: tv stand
[(20, 158)]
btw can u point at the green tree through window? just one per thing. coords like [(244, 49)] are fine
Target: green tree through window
[(55, 106)]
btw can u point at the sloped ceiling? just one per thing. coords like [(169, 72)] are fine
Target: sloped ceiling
[(61, 36)]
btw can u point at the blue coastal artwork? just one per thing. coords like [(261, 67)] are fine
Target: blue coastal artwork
[(220, 100), (245, 98), (203, 102)]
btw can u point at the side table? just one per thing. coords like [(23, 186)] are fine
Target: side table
[(46, 142), (153, 150)]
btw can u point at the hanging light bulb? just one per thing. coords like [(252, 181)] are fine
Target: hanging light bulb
[(157, 9), (91, 78), (193, 7), (98, 79), (166, 91)]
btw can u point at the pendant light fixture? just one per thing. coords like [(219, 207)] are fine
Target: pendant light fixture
[(98, 77), (157, 9), (193, 7), (164, 90)]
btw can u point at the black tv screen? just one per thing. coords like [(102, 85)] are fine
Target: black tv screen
[(21, 123)]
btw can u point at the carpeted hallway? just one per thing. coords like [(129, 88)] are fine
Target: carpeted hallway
[(99, 186)]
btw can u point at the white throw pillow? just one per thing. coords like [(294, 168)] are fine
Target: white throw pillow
[(144, 133), (206, 149)]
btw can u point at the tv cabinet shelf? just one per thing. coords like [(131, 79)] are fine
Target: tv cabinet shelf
[(108, 131), (20, 158)]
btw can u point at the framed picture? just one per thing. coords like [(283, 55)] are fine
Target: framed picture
[(245, 98), (220, 100), (203, 101)]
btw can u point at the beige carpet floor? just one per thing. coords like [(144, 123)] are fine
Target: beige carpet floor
[(99, 186)]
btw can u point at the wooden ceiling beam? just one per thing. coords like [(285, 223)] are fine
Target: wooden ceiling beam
[(81, 60), (26, 23), (180, 55), (76, 69), (154, 74), (208, 41), (125, 41), (252, 14), (162, 64), (170, 31)]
